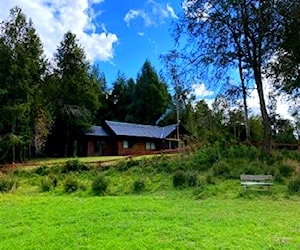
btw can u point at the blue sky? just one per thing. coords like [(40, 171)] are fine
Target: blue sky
[(143, 33), (118, 36)]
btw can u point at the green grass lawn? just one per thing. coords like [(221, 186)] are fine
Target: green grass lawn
[(49, 161), (161, 220)]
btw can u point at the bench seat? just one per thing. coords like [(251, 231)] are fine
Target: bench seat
[(256, 180)]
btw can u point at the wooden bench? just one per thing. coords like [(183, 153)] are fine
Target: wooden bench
[(256, 180)]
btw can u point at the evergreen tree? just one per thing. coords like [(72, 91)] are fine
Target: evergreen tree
[(76, 94), (121, 98), (22, 67), (151, 97)]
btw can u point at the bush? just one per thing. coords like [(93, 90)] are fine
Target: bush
[(221, 168), (42, 170), (46, 184), (122, 165), (74, 166), (294, 185), (99, 185), (138, 186), (286, 170), (71, 184), (206, 157), (191, 179), (179, 178), (7, 183)]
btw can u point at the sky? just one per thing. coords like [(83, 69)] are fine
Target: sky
[(117, 35)]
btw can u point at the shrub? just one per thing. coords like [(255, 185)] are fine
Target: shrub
[(7, 183), (99, 185), (294, 185), (122, 166), (191, 179), (138, 186), (42, 170), (286, 170), (221, 168), (179, 178), (46, 184), (74, 166), (205, 157), (71, 184)]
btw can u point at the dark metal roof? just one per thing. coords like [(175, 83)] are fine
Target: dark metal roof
[(97, 131), (139, 130)]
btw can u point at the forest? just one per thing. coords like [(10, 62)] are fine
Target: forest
[(45, 105)]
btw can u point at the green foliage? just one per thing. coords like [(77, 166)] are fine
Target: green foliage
[(7, 183), (179, 178), (48, 183), (221, 168), (138, 186), (294, 185), (286, 170), (99, 185), (125, 165), (191, 179), (20, 81), (206, 157), (74, 166), (151, 97), (71, 184), (42, 170)]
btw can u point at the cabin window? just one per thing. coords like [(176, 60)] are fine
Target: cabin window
[(127, 144), (150, 145), (99, 145)]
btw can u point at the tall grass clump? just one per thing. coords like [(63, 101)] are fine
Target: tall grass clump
[(7, 183), (71, 184), (99, 185), (48, 183), (125, 165), (179, 178), (294, 185), (138, 186), (74, 165), (42, 170)]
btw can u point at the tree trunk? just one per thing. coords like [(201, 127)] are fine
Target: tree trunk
[(266, 146), (67, 141), (244, 92)]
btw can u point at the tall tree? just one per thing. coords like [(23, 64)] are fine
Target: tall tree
[(151, 97), (121, 98), (222, 33), (22, 67), (286, 67), (75, 95)]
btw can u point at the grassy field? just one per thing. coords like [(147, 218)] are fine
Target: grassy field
[(167, 220), (142, 208)]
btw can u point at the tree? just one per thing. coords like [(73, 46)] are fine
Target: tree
[(151, 97), (75, 95), (221, 34), (22, 67), (286, 67), (121, 98)]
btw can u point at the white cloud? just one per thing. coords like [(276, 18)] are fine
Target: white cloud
[(282, 105), (200, 91), (52, 19), (171, 11), (152, 14)]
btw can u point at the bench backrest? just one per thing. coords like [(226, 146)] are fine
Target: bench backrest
[(249, 177)]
